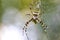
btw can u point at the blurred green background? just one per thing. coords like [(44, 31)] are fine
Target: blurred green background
[(50, 10)]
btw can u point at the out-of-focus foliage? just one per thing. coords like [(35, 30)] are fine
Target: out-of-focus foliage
[(20, 4), (51, 9), (0, 11), (48, 5)]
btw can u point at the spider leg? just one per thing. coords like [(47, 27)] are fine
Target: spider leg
[(44, 26), (25, 27), (26, 24)]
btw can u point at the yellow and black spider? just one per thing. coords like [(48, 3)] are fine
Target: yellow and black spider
[(35, 9)]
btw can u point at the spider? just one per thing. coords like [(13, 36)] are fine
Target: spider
[(35, 10)]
